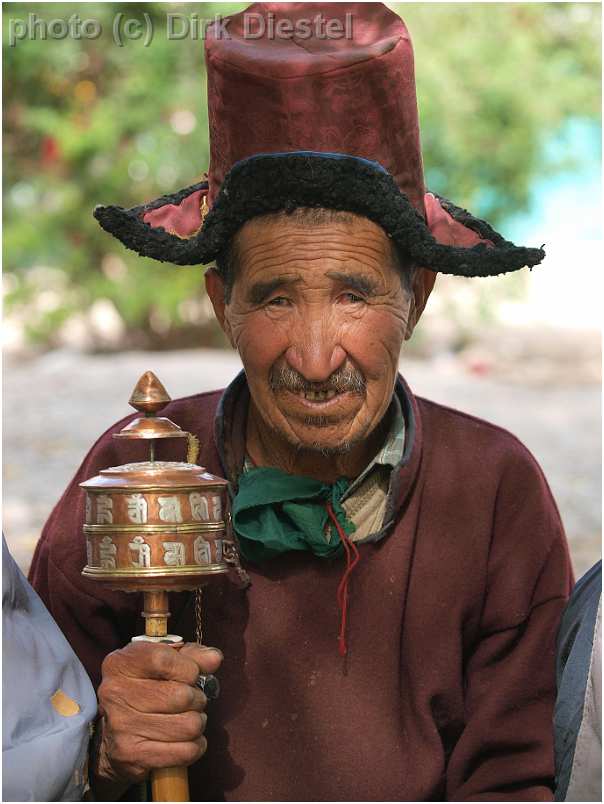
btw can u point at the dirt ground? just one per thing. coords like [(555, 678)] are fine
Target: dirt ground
[(57, 404)]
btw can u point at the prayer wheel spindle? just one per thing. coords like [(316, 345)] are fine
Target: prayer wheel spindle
[(156, 527)]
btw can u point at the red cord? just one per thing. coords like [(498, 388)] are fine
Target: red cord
[(342, 595)]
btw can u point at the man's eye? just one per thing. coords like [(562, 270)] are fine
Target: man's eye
[(278, 301), (351, 298)]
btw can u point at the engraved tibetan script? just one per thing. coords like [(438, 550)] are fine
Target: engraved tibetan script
[(104, 510), (169, 509), (137, 509), (201, 550), (217, 507), (88, 552), (174, 555), (199, 507), (88, 509), (107, 552), (143, 559)]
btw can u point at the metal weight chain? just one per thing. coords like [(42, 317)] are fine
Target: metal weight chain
[(199, 615), (192, 456), (208, 684)]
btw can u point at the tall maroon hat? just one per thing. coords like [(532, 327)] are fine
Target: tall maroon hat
[(304, 114)]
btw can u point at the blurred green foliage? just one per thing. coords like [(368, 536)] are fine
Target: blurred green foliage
[(87, 122)]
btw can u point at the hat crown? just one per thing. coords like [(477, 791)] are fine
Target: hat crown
[(329, 77), (323, 37)]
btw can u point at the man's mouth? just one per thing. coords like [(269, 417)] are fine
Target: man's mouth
[(324, 400), (317, 396), (342, 386)]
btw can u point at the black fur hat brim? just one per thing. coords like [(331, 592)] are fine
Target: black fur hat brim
[(271, 182)]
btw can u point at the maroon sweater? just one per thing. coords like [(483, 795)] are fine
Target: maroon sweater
[(448, 688)]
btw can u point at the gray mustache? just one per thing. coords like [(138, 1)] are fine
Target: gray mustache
[(341, 381)]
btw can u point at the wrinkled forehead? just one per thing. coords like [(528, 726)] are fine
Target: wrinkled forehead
[(313, 240)]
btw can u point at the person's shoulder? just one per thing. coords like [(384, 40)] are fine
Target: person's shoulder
[(189, 412), (205, 399), (583, 604), (490, 458), (448, 427), (195, 409)]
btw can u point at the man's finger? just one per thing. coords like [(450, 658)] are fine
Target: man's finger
[(153, 661), (167, 755), (207, 659), (153, 696), (181, 728)]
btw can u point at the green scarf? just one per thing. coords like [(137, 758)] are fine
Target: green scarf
[(274, 512)]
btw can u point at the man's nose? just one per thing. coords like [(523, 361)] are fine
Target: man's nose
[(315, 351)]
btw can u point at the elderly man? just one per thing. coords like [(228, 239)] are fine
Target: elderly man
[(407, 562)]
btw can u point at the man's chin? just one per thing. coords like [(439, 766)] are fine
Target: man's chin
[(313, 440), (318, 433), (326, 450)]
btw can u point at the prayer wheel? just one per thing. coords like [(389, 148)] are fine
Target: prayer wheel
[(155, 527)]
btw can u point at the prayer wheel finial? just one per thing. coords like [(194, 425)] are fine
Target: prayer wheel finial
[(148, 397), (149, 394)]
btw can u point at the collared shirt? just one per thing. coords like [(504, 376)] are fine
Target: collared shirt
[(391, 452), (365, 499)]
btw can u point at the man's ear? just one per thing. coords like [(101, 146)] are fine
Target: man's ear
[(215, 288), (423, 282)]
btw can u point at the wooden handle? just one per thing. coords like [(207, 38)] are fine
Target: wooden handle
[(170, 784), (167, 784)]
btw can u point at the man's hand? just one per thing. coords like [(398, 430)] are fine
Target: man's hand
[(152, 714)]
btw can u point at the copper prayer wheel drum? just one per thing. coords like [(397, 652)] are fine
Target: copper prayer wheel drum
[(154, 520), (155, 525)]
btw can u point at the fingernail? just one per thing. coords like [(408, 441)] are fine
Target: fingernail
[(214, 650)]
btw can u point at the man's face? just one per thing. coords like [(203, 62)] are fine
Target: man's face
[(318, 314)]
